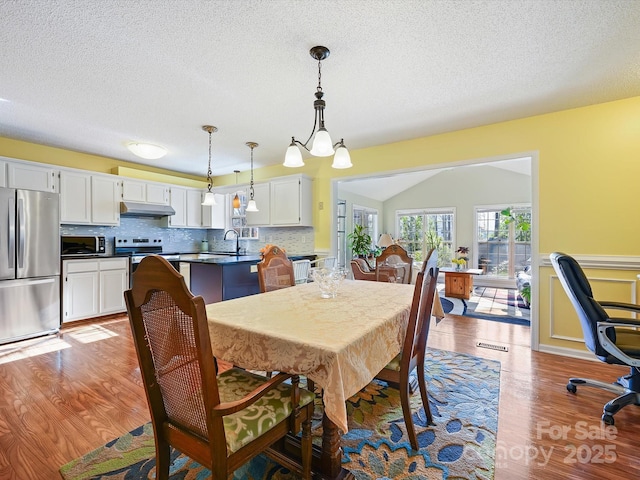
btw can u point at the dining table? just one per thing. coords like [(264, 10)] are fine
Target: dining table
[(339, 343)]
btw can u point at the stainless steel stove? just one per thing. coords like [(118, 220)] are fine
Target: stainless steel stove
[(140, 247)]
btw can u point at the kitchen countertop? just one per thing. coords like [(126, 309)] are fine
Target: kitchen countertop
[(80, 256), (226, 259)]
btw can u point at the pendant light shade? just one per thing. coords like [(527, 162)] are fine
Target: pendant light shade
[(235, 203), (209, 198), (251, 205), (322, 145), (293, 158), (342, 159)]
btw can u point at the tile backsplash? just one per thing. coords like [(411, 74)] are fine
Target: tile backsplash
[(185, 240)]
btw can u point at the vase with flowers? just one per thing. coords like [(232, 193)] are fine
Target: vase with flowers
[(462, 257)]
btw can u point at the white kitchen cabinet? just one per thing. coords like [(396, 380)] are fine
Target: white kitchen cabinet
[(114, 280), (216, 216), (291, 201), (144, 192), (157, 193), (87, 199), (31, 177), (194, 208), (105, 200), (80, 289), (185, 271), (93, 287), (178, 201), (3, 174), (75, 197), (262, 197)]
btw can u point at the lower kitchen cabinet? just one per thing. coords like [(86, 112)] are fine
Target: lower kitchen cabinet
[(93, 287)]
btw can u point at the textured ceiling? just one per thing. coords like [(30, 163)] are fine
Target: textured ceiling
[(93, 75)]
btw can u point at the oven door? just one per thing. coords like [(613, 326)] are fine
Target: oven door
[(174, 260)]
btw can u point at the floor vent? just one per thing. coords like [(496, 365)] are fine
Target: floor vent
[(500, 348)]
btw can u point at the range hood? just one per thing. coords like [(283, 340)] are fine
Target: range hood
[(133, 209)]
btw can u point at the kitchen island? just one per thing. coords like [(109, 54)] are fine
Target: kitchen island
[(218, 277)]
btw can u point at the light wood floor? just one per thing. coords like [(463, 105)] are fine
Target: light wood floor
[(66, 395)]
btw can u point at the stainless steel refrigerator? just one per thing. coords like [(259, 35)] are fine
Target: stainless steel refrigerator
[(29, 264)]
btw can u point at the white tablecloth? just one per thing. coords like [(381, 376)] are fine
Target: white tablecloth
[(340, 343)]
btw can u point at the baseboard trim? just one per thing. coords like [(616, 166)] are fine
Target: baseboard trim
[(567, 352)]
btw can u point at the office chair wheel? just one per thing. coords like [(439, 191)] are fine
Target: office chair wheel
[(608, 419), (572, 388)]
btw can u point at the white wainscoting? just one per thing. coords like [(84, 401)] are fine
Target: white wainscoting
[(598, 262)]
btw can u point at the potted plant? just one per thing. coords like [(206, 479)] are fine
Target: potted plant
[(360, 242)]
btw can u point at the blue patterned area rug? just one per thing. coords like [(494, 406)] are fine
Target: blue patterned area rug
[(497, 305), (463, 390)]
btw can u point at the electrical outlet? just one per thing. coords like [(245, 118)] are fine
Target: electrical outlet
[(269, 238), (320, 205), (304, 239)]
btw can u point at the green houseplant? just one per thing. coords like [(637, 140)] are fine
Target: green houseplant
[(359, 241)]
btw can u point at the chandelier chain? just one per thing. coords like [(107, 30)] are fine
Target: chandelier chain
[(319, 76)]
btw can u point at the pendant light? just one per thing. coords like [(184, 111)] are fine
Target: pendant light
[(209, 198), (236, 200), (322, 145), (251, 206)]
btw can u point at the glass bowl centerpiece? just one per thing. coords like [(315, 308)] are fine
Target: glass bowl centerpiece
[(328, 280)]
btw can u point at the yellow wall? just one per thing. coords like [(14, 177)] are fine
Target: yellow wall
[(589, 166)]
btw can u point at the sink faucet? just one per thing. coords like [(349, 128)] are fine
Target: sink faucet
[(237, 239)]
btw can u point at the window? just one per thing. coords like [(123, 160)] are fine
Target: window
[(420, 230), (504, 242), (368, 218)]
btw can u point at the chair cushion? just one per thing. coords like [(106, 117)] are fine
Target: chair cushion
[(395, 363), (272, 408), (629, 342)]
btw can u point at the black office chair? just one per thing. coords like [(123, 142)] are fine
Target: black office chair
[(613, 340)]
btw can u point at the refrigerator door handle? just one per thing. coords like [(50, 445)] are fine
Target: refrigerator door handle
[(21, 233), (12, 232)]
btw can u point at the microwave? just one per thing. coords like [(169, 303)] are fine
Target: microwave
[(82, 245)]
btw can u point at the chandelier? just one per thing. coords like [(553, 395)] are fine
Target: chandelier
[(322, 145)]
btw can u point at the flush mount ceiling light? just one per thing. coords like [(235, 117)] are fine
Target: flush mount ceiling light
[(321, 146), (209, 198), (251, 205), (147, 150)]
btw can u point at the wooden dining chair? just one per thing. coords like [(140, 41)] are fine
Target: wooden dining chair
[(395, 258), (275, 270), (220, 420), (360, 270), (397, 372)]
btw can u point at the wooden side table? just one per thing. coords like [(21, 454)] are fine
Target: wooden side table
[(459, 283)]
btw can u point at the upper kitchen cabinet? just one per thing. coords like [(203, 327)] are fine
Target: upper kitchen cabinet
[(145, 192), (105, 200), (75, 197), (262, 197), (215, 216), (291, 198), (87, 199), (178, 201), (31, 176), (3, 173), (194, 209)]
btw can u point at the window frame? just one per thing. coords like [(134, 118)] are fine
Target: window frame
[(425, 212)]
